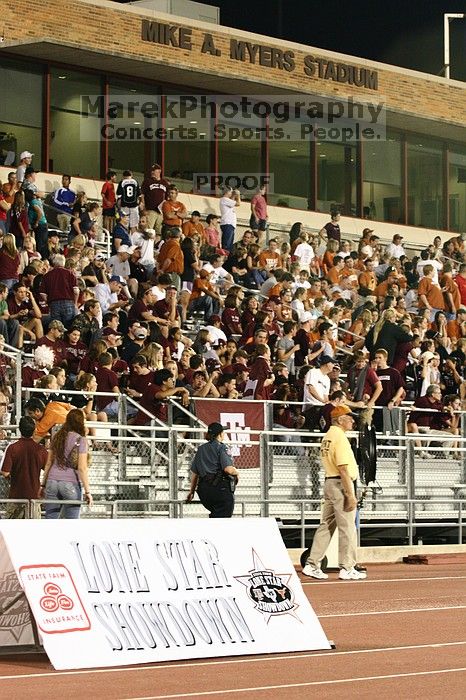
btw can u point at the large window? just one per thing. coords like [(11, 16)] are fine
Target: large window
[(457, 189), (74, 126), (425, 183), (20, 113), (336, 177), (240, 150), (188, 146), (130, 146), (381, 192), (290, 168)]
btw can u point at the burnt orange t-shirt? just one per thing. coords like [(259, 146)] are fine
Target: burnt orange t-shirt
[(171, 251), (432, 293), (449, 284), (169, 207)]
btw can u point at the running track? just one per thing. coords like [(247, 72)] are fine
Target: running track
[(400, 634)]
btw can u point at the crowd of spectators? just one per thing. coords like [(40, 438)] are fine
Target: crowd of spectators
[(185, 307)]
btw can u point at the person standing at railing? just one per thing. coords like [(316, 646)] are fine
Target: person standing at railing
[(341, 473), (66, 471), (213, 475), (22, 464)]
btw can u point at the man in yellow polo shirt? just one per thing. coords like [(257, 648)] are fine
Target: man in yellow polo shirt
[(341, 473)]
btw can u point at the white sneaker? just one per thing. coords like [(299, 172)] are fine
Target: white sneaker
[(314, 572), (352, 575)]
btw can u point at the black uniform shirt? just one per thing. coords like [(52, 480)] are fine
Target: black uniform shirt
[(210, 458)]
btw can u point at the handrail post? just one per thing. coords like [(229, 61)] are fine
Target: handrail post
[(463, 454), (410, 489), (264, 474), (18, 380), (401, 452), (122, 418), (172, 470)]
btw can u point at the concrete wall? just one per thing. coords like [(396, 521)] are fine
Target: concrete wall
[(281, 216)]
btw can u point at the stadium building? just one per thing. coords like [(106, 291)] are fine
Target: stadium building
[(64, 66)]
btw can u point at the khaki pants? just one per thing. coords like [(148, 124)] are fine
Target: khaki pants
[(334, 516), (64, 222), (19, 511), (154, 220)]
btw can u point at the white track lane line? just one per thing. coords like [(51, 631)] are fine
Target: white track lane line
[(306, 582), (395, 612), (257, 659), (301, 685)]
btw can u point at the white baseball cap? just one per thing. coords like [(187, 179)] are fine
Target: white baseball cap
[(306, 316), (25, 154), (126, 249)]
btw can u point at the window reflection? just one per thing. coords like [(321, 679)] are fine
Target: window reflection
[(20, 113), (425, 183), (457, 189), (74, 128), (382, 198), (336, 177)]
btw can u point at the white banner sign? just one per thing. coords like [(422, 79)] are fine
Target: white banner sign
[(113, 592)]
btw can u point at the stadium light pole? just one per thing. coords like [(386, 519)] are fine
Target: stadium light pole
[(446, 40)]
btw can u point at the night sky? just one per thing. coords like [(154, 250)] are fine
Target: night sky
[(406, 33)]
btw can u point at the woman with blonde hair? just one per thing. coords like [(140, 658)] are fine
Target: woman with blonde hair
[(330, 253), (361, 326), (153, 352), (9, 261), (66, 470), (386, 334)]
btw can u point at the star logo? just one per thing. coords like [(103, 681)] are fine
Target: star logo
[(268, 590), (14, 609)]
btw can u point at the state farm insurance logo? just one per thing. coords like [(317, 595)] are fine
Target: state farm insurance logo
[(268, 590), (54, 599)]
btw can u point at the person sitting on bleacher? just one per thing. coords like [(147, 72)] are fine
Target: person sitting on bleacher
[(437, 419), (46, 417)]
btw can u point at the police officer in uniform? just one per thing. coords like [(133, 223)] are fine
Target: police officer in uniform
[(341, 472), (213, 475)]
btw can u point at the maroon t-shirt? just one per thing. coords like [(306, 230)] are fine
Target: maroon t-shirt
[(8, 266), (29, 375), (391, 382), (139, 382), (14, 308), (136, 311), (161, 309), (155, 192), (87, 365), (260, 370), (157, 407), (73, 354), (106, 380), (424, 419), (59, 285), (231, 322), (24, 460), (333, 231)]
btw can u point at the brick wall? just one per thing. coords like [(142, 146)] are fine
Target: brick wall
[(118, 32)]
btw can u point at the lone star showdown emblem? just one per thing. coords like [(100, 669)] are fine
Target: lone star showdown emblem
[(268, 590)]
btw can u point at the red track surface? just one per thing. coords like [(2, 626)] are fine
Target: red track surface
[(400, 634)]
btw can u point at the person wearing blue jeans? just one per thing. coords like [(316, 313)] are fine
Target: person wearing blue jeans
[(66, 471), (205, 298), (230, 200)]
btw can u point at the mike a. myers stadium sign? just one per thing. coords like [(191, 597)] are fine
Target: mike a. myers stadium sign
[(262, 55)]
